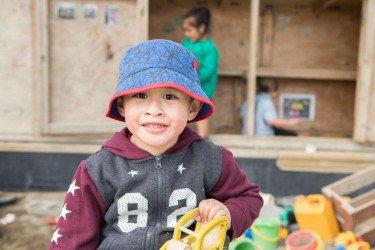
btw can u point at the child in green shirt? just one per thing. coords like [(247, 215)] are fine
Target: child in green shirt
[(195, 25)]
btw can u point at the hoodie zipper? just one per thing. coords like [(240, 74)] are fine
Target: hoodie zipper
[(159, 188), (159, 201)]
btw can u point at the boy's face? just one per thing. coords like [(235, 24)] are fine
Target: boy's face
[(157, 117)]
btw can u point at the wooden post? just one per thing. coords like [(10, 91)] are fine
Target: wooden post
[(366, 67), (267, 36), (35, 26), (43, 55), (142, 20), (251, 84)]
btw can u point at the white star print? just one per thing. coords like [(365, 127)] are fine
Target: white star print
[(133, 172), (181, 168), (64, 212), (56, 235), (73, 187)]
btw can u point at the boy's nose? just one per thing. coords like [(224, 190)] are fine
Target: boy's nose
[(154, 108)]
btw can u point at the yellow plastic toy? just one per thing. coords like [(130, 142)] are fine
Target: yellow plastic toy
[(348, 241), (346, 238), (206, 236)]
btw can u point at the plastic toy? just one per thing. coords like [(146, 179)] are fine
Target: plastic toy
[(267, 232), (345, 238), (244, 243), (348, 241), (206, 236), (304, 240)]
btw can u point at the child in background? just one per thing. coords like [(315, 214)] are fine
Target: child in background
[(195, 24), (130, 194), (266, 121)]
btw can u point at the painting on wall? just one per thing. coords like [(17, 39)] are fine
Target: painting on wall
[(297, 106), (112, 16), (90, 11), (65, 11)]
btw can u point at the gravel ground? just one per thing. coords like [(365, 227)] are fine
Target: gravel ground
[(30, 229)]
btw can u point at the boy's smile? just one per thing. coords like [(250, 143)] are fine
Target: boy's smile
[(154, 125), (157, 117)]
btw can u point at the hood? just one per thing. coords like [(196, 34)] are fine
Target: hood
[(120, 144)]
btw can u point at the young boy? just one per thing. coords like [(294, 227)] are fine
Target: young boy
[(130, 194)]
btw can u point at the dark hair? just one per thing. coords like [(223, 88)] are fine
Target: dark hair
[(267, 85), (201, 16)]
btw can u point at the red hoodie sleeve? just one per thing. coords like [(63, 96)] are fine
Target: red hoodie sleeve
[(82, 215), (241, 197)]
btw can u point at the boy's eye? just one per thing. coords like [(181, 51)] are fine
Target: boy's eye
[(169, 97), (140, 95)]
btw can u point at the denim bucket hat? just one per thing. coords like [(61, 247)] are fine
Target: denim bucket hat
[(156, 64)]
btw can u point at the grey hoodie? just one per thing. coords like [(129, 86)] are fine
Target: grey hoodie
[(122, 197)]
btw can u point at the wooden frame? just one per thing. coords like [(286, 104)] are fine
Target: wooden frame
[(365, 77), (358, 213), (321, 74), (50, 136)]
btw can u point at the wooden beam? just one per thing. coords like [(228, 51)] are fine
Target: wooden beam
[(35, 26), (267, 36), (329, 162), (363, 198), (353, 182), (271, 147), (366, 67), (232, 72), (142, 20), (325, 4), (60, 148), (323, 74), (224, 2), (44, 85), (241, 146), (251, 84)]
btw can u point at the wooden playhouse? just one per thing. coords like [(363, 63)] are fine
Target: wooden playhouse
[(59, 64)]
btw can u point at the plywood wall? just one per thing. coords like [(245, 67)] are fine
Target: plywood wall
[(16, 67), (84, 58), (303, 37)]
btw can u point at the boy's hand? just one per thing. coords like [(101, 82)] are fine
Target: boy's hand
[(210, 209)]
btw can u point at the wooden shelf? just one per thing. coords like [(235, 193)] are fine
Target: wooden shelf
[(323, 74), (324, 162), (241, 72), (320, 74)]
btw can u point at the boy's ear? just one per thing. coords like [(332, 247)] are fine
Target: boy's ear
[(195, 106), (120, 106)]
